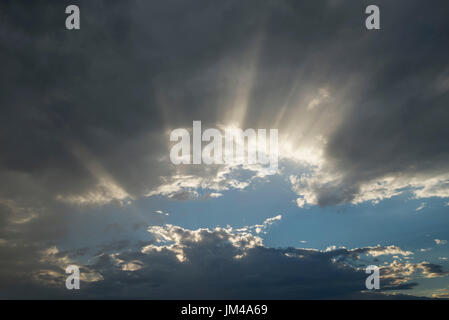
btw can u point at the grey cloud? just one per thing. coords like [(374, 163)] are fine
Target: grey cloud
[(135, 70), (217, 264), (114, 88), (397, 125)]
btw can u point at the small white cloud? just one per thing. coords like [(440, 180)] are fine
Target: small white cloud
[(132, 266), (387, 250), (272, 220), (421, 206), (259, 228), (300, 202), (215, 195)]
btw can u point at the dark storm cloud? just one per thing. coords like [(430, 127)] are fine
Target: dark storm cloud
[(58, 89), (112, 87), (398, 124), (216, 264)]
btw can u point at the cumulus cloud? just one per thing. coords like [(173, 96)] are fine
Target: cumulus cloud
[(398, 273), (388, 250), (221, 263), (258, 228)]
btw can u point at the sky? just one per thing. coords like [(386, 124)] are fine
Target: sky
[(86, 177)]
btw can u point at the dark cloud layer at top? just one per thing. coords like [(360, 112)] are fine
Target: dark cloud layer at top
[(105, 87), (136, 69)]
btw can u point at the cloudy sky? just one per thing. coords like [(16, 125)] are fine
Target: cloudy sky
[(86, 177)]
